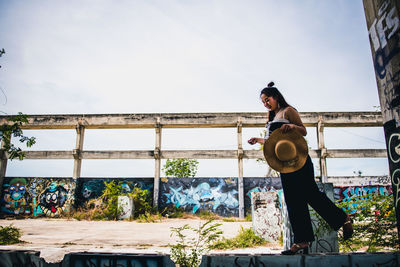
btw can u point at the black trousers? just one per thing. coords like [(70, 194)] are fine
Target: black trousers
[(300, 189)]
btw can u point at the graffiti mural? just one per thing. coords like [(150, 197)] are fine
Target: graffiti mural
[(259, 184), (90, 188), (218, 195), (50, 197)]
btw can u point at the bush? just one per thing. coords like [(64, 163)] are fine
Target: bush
[(106, 207), (9, 235), (246, 238), (374, 223), (188, 251)]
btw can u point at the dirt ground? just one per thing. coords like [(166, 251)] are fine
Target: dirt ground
[(56, 237)]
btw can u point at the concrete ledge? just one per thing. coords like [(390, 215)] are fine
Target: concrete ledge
[(25, 258), (325, 260)]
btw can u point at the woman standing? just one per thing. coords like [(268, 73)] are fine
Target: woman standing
[(299, 187)]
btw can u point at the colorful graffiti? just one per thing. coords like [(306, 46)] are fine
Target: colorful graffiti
[(219, 195), (50, 197), (90, 188), (356, 193)]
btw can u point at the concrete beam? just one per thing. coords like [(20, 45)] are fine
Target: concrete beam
[(196, 154), (193, 120)]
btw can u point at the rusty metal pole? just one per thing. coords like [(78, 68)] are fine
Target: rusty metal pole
[(384, 35)]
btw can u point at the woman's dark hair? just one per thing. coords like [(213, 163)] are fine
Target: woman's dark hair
[(270, 90)]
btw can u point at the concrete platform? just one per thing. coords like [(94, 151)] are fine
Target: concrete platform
[(71, 243), (54, 238)]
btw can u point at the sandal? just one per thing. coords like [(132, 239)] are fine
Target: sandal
[(348, 228), (297, 249)]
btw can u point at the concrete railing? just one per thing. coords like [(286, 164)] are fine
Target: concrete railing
[(155, 121)]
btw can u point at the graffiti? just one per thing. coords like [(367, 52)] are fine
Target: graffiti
[(260, 184), (356, 259), (357, 193), (103, 260), (219, 195), (37, 196), (394, 147), (266, 215), (384, 28), (15, 198), (90, 188)]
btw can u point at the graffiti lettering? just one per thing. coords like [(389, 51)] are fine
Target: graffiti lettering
[(201, 196), (378, 31), (218, 195)]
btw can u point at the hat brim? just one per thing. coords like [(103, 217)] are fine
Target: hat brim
[(301, 151)]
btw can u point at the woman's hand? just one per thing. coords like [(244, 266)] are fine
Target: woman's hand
[(255, 140), (287, 127)]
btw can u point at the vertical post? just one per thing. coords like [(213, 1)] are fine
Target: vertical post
[(240, 165), (321, 146), (157, 158), (3, 164), (383, 24), (80, 133)]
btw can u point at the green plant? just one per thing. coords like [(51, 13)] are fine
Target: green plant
[(248, 217), (374, 223), (208, 215), (9, 235), (149, 217), (106, 206), (141, 201), (13, 129), (180, 167), (246, 238), (187, 251), (173, 212)]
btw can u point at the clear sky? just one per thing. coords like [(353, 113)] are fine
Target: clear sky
[(108, 56)]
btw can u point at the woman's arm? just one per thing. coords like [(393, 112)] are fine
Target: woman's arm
[(295, 122), (255, 140)]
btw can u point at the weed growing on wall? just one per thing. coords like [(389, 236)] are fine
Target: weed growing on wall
[(187, 251), (246, 238), (9, 235)]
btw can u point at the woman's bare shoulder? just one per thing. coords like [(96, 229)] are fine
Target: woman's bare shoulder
[(291, 110)]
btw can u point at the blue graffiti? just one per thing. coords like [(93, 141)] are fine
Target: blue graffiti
[(202, 195), (359, 193)]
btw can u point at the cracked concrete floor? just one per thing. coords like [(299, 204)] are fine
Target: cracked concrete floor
[(56, 237)]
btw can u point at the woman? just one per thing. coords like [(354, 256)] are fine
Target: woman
[(299, 187)]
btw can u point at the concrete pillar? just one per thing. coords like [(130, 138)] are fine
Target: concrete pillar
[(383, 24), (321, 146), (3, 165), (80, 133), (157, 158), (240, 168)]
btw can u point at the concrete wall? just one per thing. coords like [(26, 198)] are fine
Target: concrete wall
[(51, 197), (32, 258)]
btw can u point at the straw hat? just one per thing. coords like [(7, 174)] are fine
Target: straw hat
[(285, 152)]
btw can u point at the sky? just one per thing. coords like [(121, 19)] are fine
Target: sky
[(103, 56)]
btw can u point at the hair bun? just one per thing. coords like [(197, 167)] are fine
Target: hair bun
[(271, 84)]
